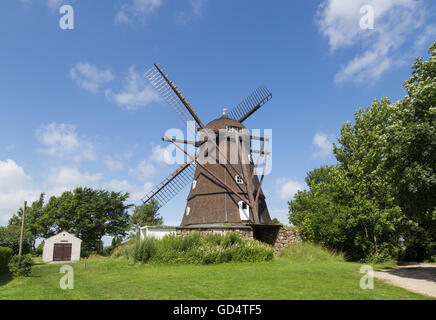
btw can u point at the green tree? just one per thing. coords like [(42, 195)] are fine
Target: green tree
[(306, 230), (36, 221), (275, 221), (410, 163), (383, 187), (10, 238), (146, 215), (89, 214)]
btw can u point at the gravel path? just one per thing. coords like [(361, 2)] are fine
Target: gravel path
[(420, 278)]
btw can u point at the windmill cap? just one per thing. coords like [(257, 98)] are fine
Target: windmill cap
[(223, 122)]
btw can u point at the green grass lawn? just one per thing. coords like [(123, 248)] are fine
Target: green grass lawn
[(304, 273)]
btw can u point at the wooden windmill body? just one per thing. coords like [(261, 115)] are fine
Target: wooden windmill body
[(225, 188)]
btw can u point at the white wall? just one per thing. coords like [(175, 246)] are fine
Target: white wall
[(156, 232), (63, 237)]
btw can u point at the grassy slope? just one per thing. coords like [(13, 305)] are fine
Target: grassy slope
[(302, 272)]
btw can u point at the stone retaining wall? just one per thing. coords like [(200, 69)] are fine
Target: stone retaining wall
[(244, 231), (274, 235), (287, 235)]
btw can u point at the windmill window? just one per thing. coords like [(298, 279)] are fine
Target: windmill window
[(229, 129), (240, 130), (244, 211), (194, 184), (188, 210), (239, 180)]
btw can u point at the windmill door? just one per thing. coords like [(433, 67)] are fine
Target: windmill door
[(244, 211), (62, 252)]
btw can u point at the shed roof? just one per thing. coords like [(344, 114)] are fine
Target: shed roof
[(63, 232)]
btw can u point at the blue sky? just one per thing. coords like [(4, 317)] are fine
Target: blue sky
[(75, 109)]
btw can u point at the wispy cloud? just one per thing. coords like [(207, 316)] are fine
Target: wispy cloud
[(323, 145), (137, 10), (196, 8), (64, 179), (150, 166), (89, 77), (427, 36), (287, 188), (137, 192), (53, 5), (395, 22), (16, 186), (114, 164), (61, 140), (135, 94)]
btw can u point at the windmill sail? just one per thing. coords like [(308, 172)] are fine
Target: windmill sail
[(172, 185), (171, 94), (250, 104)]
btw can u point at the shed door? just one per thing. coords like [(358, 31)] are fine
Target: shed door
[(62, 252)]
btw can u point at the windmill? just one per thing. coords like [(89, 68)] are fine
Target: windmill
[(224, 191)]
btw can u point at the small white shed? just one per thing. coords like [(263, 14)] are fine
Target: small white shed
[(62, 247), (157, 232)]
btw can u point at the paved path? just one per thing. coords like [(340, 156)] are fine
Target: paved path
[(420, 278)]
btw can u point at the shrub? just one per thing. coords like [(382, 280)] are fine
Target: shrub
[(142, 250), (22, 269), (306, 230), (431, 251), (5, 257), (84, 253), (38, 251), (197, 249)]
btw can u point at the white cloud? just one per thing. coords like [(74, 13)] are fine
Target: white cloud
[(54, 4), (196, 11), (150, 166), (287, 188), (160, 155), (51, 4), (144, 170), (114, 164), (138, 9), (197, 6), (427, 36), (15, 188), (61, 140), (135, 94), (64, 179), (323, 145), (89, 77), (395, 21), (136, 192)]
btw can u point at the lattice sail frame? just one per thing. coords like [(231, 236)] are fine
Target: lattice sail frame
[(249, 105), (158, 81), (172, 185), (184, 175)]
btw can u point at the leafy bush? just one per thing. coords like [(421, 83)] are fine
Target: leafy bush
[(22, 269), (38, 251), (306, 230), (431, 251), (196, 249), (5, 257)]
